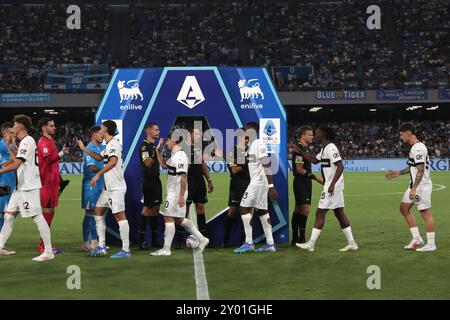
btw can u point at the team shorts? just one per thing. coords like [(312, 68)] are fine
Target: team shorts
[(422, 199), (89, 196), (152, 190), (236, 192), (255, 196), (197, 192), (331, 202), (25, 202), (302, 191), (49, 196), (112, 199), (172, 209)]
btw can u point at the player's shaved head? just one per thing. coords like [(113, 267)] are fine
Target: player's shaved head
[(325, 134), (150, 125), (23, 120), (110, 126)]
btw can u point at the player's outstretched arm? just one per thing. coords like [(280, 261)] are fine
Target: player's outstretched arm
[(304, 154), (92, 154), (12, 166), (391, 174)]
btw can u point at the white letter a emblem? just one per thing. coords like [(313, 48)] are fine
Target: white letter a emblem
[(190, 94)]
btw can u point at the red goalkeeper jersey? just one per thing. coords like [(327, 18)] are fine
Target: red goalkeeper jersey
[(48, 163)]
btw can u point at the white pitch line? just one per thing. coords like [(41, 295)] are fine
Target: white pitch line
[(201, 283)]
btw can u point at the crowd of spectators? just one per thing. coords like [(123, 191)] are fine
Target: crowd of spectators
[(374, 139), (411, 49)]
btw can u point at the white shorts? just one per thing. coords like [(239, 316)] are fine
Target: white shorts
[(172, 209), (255, 196), (331, 202), (423, 197), (113, 199), (26, 202)]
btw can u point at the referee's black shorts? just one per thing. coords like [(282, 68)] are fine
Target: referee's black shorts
[(152, 190), (237, 190), (197, 192), (302, 190)]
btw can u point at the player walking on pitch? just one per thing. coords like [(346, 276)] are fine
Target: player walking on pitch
[(332, 197), (26, 197), (419, 190), (113, 197), (89, 194), (49, 170), (256, 194), (175, 206)]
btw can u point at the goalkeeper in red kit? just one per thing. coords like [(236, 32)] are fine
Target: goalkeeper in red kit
[(49, 157)]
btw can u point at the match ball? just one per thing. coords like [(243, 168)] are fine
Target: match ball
[(192, 242)]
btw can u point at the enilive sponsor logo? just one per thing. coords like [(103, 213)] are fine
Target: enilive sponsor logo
[(128, 92), (250, 90)]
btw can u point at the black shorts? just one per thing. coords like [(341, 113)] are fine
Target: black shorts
[(152, 190), (197, 192), (237, 189), (302, 191)]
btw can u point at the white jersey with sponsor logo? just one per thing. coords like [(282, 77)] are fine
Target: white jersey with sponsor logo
[(177, 165), (28, 177), (328, 157), (256, 152), (114, 178), (419, 155)]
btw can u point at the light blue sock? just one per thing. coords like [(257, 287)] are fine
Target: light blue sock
[(86, 224), (93, 228)]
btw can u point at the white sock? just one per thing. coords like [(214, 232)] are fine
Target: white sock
[(267, 227), (44, 231), (431, 238), (169, 233), (124, 230), (348, 235), (191, 228), (314, 235), (246, 218), (415, 233), (100, 225), (6, 231)]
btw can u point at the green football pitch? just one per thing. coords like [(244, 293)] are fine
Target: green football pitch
[(371, 204)]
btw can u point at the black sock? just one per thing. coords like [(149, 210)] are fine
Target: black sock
[(201, 222), (179, 234), (295, 227), (302, 225), (142, 229), (229, 221), (154, 226)]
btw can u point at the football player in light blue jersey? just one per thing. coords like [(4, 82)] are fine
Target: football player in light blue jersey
[(7, 179), (90, 194)]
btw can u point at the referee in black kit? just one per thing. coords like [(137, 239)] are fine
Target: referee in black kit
[(151, 186), (302, 186)]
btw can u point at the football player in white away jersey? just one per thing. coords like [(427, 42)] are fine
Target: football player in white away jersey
[(419, 190), (113, 197), (26, 197), (332, 197), (176, 195), (256, 195)]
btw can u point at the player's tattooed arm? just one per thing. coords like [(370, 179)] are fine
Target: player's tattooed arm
[(419, 175), (404, 171), (161, 160), (183, 186), (391, 174)]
